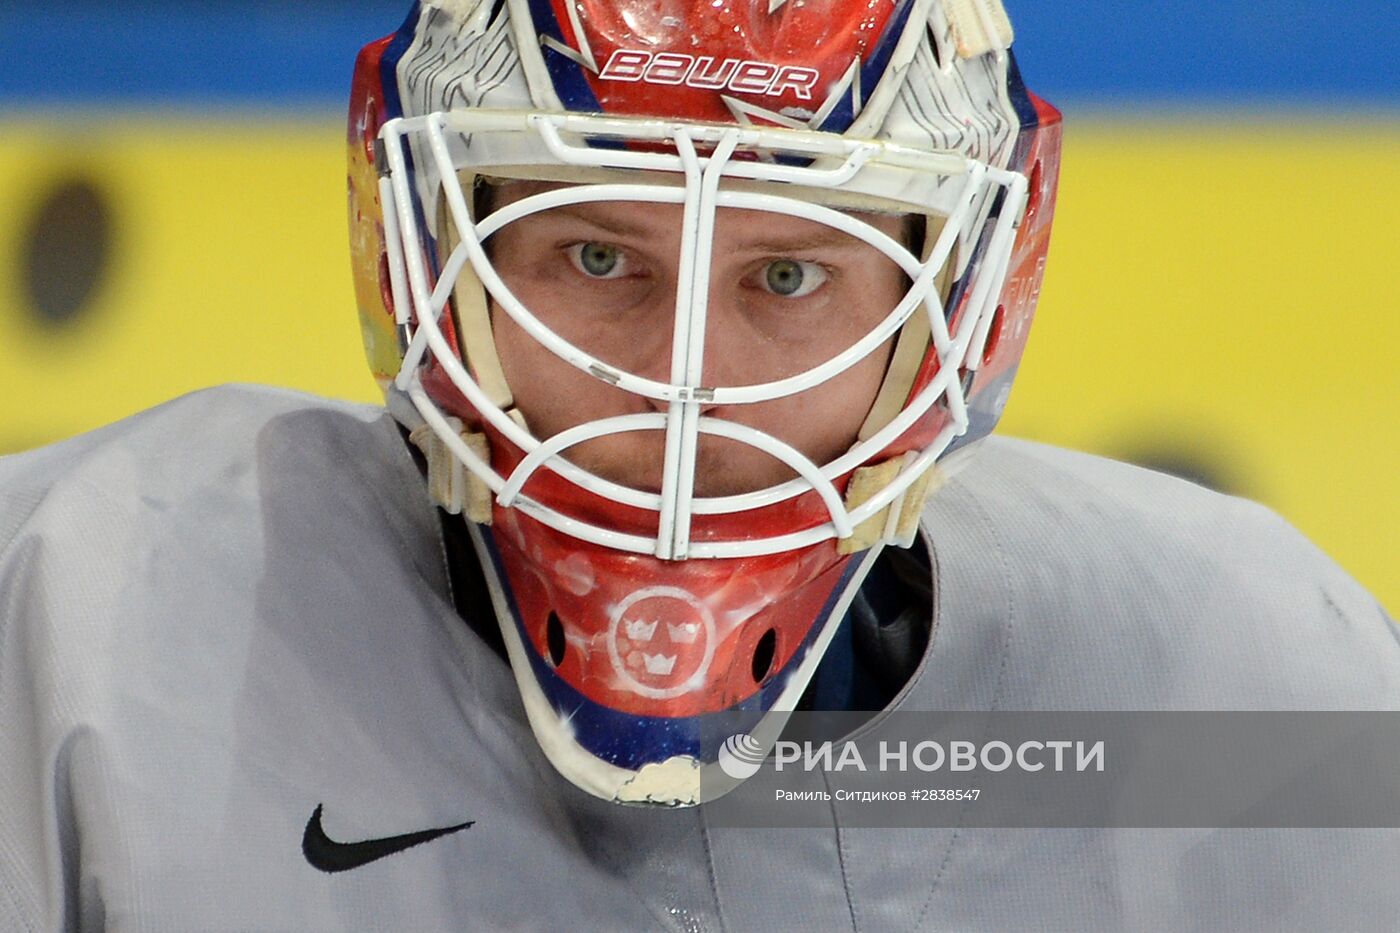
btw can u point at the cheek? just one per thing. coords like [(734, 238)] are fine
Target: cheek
[(531, 371), (551, 394), (846, 400), (823, 421), (537, 289)]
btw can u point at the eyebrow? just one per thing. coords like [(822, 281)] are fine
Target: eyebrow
[(822, 238), (827, 238), (618, 226)]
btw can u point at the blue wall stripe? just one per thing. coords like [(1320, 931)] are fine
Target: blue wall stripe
[(302, 51)]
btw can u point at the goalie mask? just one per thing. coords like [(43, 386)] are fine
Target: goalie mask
[(670, 520)]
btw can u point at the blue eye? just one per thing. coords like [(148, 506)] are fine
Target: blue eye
[(598, 260), (793, 278)]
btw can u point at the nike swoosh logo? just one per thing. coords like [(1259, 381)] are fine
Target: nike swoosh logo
[(330, 856)]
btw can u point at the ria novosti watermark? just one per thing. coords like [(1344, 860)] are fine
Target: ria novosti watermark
[(927, 756), (1075, 769), (741, 757)]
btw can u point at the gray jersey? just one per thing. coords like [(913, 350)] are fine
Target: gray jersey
[(232, 612)]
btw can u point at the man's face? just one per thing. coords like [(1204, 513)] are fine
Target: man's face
[(785, 295)]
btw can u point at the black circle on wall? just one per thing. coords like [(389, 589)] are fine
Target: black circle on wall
[(66, 248)]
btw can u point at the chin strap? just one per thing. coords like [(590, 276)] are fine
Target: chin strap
[(460, 492), (451, 485), (898, 522)]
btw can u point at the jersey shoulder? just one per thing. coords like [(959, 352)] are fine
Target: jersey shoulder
[(177, 451), (188, 430), (208, 486), (1089, 506), (214, 616), (1173, 593)]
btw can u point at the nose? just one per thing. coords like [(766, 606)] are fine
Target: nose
[(721, 364)]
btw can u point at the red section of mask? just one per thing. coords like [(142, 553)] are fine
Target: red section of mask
[(662, 638)]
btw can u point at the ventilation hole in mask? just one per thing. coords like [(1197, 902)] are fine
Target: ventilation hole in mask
[(994, 334), (1033, 191), (554, 639), (968, 377), (386, 288), (763, 654)]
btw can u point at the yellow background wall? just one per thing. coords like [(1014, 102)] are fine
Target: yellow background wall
[(1219, 295)]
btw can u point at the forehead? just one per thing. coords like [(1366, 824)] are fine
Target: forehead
[(647, 219)]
